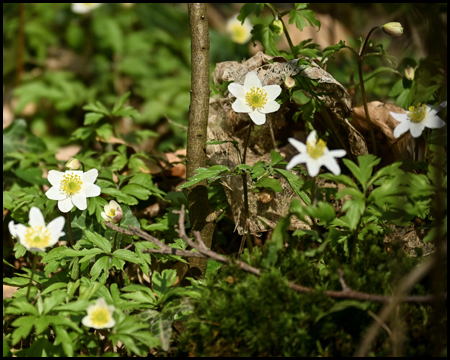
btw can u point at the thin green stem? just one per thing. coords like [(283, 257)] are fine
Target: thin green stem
[(33, 269), (278, 16), (244, 157), (288, 37), (69, 224), (367, 39), (245, 189), (115, 239)]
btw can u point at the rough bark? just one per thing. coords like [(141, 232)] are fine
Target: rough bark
[(197, 129)]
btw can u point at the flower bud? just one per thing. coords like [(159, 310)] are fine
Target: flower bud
[(289, 82), (113, 212), (73, 164), (279, 26), (409, 73), (393, 28)]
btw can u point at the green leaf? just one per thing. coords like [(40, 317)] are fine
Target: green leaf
[(24, 325), (63, 339), (204, 173), (92, 118), (269, 183), (296, 184), (364, 171), (101, 264), (301, 17), (52, 287), (341, 179), (344, 304), (120, 102), (275, 157), (121, 197), (137, 191), (17, 137), (249, 8), (127, 255), (265, 35), (99, 240), (162, 282)]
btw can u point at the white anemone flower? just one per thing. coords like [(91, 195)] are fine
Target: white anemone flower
[(418, 118), (315, 154), (113, 212), (240, 33), (72, 187), (254, 99), (99, 316), (83, 8), (37, 236)]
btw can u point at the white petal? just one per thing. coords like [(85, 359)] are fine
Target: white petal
[(398, 116), (90, 190), (65, 205), (55, 227), (332, 164), (251, 80), (12, 228), (337, 153), (89, 176), (270, 107), (54, 194), (401, 128), (237, 90), (312, 137), (313, 166), (55, 177), (257, 117), (79, 200), (273, 91), (36, 217), (106, 217), (20, 234), (297, 159), (441, 106), (416, 129), (433, 122), (114, 204), (298, 145), (240, 106), (86, 321)]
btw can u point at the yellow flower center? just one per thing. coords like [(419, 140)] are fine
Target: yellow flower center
[(112, 212), (417, 114), (239, 33), (256, 98), (37, 237), (100, 317), (316, 149), (71, 184)]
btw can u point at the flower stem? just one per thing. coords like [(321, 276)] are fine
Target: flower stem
[(245, 189), (115, 239), (33, 269), (279, 16), (363, 91), (70, 229)]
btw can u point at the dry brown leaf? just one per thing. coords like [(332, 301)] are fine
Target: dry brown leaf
[(389, 148)]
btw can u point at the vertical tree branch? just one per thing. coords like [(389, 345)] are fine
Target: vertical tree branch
[(198, 123)]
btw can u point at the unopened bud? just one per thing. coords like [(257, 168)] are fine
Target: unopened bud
[(289, 82), (279, 27), (393, 28), (73, 164), (409, 73), (113, 212)]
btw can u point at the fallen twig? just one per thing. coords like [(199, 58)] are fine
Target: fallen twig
[(204, 252)]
